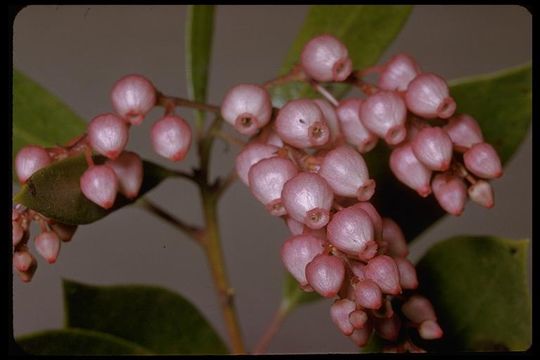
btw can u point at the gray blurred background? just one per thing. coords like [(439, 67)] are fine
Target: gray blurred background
[(78, 52)]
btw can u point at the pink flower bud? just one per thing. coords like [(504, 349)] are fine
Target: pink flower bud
[(295, 227), (428, 96), (409, 170), (433, 147), (394, 238), (418, 309), (65, 232), (451, 193), (297, 252), (308, 198), (482, 194), (300, 123), (171, 137), (247, 107), (325, 58), (339, 313), (325, 274), (430, 330), (376, 219), (383, 270), (17, 233), (351, 230), (128, 168), (358, 319), (347, 174), (99, 184), (251, 154), (27, 276), (108, 135), (464, 131), (407, 274), (23, 261), (357, 268), (330, 115), (266, 181), (274, 140), (482, 160), (29, 160), (361, 336), (133, 96), (387, 328), (353, 129), (368, 294), (398, 73), (48, 246), (384, 114)]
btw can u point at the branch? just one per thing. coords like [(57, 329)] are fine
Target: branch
[(171, 101), (192, 231)]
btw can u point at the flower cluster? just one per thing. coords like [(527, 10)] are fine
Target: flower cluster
[(133, 96), (305, 163)]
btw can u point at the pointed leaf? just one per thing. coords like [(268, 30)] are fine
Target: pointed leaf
[(366, 30), (501, 103), (199, 33), (77, 342), (478, 286), (39, 117), (156, 318), (54, 191)]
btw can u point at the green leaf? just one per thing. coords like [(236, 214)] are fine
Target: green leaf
[(501, 103), (54, 191), (366, 30), (478, 286), (199, 33), (155, 318), (77, 342), (39, 117)]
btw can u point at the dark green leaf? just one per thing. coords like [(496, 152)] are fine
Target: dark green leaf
[(55, 192), (77, 342), (478, 286), (156, 318), (501, 103), (39, 117), (366, 30), (199, 32)]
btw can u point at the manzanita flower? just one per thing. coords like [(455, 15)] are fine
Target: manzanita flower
[(297, 252), (387, 328), (128, 167), (266, 182), (325, 274), (451, 193), (383, 270), (481, 193), (300, 123), (325, 58), (433, 147), (407, 274), (393, 238), (464, 131), (428, 96), (358, 319), (65, 232), (29, 160), (339, 313), (308, 199), (347, 174), (99, 184), (108, 135), (353, 129), (409, 170), (351, 231), (251, 154), (398, 72), (48, 246), (330, 115), (247, 107), (171, 137), (384, 114), (133, 96), (374, 215), (482, 160), (368, 294), (418, 309)]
